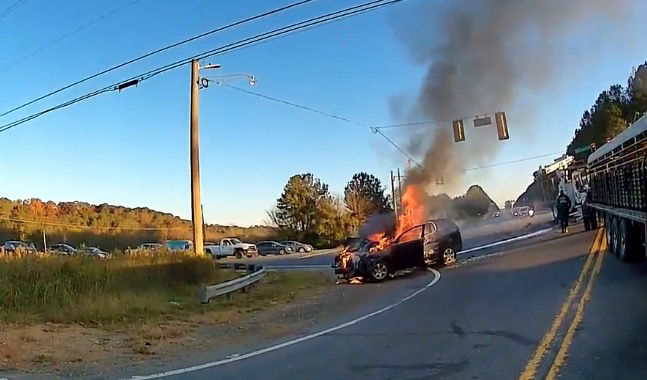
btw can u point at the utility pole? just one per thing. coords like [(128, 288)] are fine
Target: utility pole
[(196, 203), (400, 187), (395, 204)]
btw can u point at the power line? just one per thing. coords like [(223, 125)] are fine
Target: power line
[(306, 108), (336, 15), (327, 114), (94, 227), (69, 34), (157, 51), (513, 161), (376, 130), (12, 8)]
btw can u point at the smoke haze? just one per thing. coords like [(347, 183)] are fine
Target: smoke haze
[(482, 57)]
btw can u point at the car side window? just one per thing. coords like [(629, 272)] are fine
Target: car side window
[(430, 228), (412, 234)]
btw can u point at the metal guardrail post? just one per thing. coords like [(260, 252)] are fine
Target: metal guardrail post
[(244, 283)]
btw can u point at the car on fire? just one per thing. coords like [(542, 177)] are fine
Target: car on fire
[(431, 243)]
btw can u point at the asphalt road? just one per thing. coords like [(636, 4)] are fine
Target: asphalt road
[(493, 317)]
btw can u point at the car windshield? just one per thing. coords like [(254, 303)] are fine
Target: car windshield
[(235, 241)]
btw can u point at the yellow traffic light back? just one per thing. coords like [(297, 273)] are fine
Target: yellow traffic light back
[(501, 126), (459, 130)]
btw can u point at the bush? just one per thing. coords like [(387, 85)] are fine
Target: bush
[(90, 290)]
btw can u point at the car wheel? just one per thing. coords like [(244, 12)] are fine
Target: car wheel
[(239, 254), (379, 271), (449, 256), (301, 250), (282, 252)]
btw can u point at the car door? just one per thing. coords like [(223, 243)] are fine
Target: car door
[(430, 243), (407, 252), (227, 248)]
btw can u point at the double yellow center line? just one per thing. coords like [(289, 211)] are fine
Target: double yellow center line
[(596, 254)]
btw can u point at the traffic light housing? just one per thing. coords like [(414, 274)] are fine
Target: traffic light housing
[(459, 130), (501, 126)]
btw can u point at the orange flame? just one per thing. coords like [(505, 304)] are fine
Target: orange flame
[(413, 213)]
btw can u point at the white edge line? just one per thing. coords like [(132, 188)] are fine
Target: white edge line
[(522, 237), (309, 255), (291, 342)]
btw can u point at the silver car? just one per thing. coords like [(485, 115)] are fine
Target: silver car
[(298, 247)]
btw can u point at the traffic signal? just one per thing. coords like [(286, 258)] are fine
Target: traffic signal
[(459, 130), (501, 125)]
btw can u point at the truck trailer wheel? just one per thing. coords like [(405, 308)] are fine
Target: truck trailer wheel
[(629, 243), (608, 229), (613, 244)]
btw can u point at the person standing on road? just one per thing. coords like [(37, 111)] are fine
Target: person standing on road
[(563, 206)]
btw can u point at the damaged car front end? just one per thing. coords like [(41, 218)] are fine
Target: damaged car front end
[(431, 243)]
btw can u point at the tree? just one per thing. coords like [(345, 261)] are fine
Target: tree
[(296, 209), (364, 195)]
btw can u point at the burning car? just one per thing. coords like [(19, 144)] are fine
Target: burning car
[(430, 243)]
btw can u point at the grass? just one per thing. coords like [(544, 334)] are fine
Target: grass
[(128, 288), (93, 291)]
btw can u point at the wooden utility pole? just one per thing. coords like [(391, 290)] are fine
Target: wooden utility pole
[(400, 187), (395, 203), (196, 203)]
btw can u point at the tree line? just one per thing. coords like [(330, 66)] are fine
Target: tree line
[(611, 113), (107, 226)]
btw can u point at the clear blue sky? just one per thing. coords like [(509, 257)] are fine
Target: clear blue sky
[(131, 148)]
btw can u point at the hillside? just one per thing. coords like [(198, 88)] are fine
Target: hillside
[(104, 225), (473, 204)]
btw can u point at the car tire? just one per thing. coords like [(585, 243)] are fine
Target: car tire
[(239, 254), (379, 271), (448, 256), (282, 252)]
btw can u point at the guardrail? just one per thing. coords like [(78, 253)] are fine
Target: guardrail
[(244, 283)]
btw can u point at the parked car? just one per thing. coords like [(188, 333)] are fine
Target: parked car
[(179, 245), (272, 248), (18, 246), (433, 242), (230, 247), (94, 252), (62, 249), (298, 247), (151, 247)]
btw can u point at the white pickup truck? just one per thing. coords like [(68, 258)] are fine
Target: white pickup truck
[(230, 247)]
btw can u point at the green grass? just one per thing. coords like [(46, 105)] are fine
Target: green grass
[(128, 288)]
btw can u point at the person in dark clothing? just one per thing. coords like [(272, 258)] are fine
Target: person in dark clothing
[(588, 214), (563, 206)]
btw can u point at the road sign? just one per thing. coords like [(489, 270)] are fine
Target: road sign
[(482, 121), (583, 149)]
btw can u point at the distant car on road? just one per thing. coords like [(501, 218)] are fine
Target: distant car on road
[(298, 246), (18, 246), (272, 248), (62, 249), (435, 241)]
